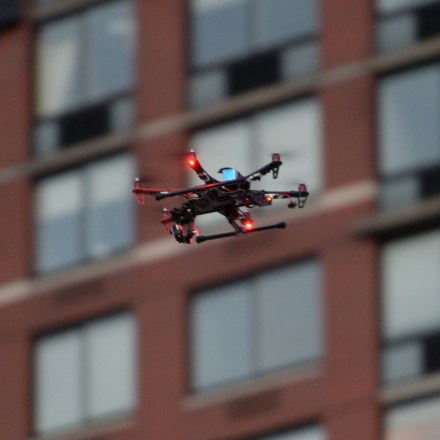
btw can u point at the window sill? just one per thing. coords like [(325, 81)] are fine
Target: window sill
[(419, 387), (90, 432), (253, 386), (69, 157), (423, 214)]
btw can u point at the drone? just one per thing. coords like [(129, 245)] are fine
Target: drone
[(231, 197)]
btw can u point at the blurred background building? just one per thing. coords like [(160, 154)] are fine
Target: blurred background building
[(110, 330)]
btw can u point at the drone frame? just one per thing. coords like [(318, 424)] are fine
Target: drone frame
[(226, 197)]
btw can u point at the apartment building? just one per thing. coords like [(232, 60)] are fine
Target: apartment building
[(327, 330)]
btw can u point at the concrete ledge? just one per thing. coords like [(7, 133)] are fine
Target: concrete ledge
[(422, 214)]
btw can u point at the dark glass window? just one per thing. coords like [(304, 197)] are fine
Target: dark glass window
[(10, 13), (404, 22)]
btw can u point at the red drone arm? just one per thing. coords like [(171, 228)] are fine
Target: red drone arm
[(139, 191)]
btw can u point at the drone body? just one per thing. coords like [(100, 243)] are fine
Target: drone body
[(231, 197)]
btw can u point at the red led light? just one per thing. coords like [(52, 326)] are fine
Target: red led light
[(191, 160), (268, 199), (248, 225)]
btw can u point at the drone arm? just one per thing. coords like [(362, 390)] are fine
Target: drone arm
[(273, 166), (195, 189), (301, 195), (139, 191), (193, 162)]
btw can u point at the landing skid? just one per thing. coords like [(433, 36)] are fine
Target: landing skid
[(202, 238)]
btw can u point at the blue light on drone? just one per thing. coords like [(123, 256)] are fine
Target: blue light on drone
[(229, 174)]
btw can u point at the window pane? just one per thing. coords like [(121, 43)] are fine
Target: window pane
[(277, 21), (309, 433), (46, 138), (10, 13), (111, 345), (207, 87), (399, 192), (58, 81), (406, 141), (418, 420), (396, 32), (289, 315), (402, 361), (58, 379), (221, 335), (411, 285), (294, 131), (300, 60), (122, 114), (58, 223), (110, 32), (220, 30), (110, 211)]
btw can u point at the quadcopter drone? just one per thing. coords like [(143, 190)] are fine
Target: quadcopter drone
[(231, 197)]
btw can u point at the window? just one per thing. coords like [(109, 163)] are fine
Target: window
[(267, 322), (409, 146), (85, 213), (238, 45), (84, 73), (401, 23), (309, 433), (10, 13), (293, 130), (417, 420), (411, 304), (84, 374)]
